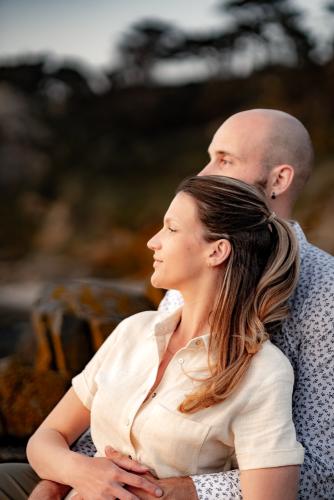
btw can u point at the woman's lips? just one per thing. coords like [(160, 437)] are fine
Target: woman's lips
[(156, 262)]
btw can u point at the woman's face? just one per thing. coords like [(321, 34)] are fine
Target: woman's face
[(180, 251)]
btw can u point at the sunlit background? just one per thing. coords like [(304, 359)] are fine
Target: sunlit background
[(104, 107)]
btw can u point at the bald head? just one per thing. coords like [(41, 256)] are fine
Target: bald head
[(280, 139), (264, 147)]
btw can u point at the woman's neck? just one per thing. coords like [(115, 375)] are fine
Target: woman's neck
[(196, 312)]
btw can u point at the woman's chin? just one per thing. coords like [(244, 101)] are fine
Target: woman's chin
[(157, 282)]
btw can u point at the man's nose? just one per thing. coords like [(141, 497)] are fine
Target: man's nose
[(206, 169)]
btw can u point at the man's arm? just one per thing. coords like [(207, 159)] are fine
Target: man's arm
[(225, 485), (49, 490)]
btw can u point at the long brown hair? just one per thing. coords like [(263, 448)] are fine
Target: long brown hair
[(256, 281)]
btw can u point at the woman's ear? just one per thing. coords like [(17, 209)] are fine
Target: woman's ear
[(219, 252)]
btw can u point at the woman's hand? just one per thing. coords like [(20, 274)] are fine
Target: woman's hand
[(107, 478)]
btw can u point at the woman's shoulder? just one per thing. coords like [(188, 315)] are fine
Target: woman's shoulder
[(144, 321), (144, 317), (138, 321), (270, 365)]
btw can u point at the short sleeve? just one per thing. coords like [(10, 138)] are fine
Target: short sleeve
[(84, 384), (264, 432)]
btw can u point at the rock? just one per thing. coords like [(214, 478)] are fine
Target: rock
[(26, 397), (72, 320)]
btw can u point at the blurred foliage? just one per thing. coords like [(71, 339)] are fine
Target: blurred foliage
[(89, 175)]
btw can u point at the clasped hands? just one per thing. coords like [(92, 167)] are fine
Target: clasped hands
[(118, 476)]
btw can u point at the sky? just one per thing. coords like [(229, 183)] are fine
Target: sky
[(88, 30)]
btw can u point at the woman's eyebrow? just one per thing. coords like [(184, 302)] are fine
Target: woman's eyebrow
[(168, 220)]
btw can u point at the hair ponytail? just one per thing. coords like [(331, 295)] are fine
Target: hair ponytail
[(256, 281), (279, 278)]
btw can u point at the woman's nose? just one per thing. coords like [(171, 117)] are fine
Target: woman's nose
[(154, 243)]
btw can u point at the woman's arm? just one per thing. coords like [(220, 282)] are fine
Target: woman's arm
[(273, 483), (49, 454), (48, 449)]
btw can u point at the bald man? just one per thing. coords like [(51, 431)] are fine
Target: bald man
[(273, 150)]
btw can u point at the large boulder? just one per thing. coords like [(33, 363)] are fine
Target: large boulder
[(72, 320)]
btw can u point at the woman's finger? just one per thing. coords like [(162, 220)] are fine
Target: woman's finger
[(124, 461)]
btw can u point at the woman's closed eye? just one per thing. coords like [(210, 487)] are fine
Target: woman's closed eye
[(172, 230)]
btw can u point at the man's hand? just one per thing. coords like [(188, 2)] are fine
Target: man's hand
[(174, 488), (49, 490)]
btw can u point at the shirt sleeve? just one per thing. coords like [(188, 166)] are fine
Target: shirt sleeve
[(224, 485), (84, 445), (314, 391), (84, 384), (264, 433)]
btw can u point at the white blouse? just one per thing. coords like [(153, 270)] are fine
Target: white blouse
[(251, 429)]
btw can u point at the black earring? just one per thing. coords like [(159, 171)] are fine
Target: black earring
[(273, 196)]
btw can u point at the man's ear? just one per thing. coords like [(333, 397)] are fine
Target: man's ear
[(280, 179), (219, 252)]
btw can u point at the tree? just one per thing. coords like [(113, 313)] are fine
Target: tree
[(146, 43), (273, 24)]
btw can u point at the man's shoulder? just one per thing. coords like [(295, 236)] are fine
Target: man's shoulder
[(316, 270), (318, 257), (315, 262), (311, 305), (316, 266)]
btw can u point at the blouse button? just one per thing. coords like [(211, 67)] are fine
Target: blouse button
[(181, 361), (198, 342)]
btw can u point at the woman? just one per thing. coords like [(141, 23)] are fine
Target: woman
[(203, 389)]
